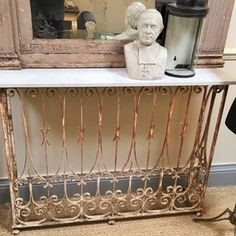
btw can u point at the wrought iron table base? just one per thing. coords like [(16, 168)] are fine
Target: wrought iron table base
[(145, 176)]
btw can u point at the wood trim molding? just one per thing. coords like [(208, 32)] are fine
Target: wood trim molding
[(230, 54), (9, 42), (214, 33)]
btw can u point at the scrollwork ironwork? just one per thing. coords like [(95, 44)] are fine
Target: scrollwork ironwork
[(153, 181)]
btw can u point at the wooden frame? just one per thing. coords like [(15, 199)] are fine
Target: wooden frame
[(19, 49), (9, 40), (62, 52), (214, 33)]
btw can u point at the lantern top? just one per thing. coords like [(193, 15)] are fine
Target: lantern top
[(192, 3), (189, 8), (164, 1)]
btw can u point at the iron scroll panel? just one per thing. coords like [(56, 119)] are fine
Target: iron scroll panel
[(89, 154)]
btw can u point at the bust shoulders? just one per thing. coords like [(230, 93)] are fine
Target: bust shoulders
[(145, 62), (134, 47)]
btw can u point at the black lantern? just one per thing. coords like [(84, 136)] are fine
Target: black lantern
[(161, 7), (184, 25)]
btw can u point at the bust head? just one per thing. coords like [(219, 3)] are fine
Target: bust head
[(132, 14), (83, 18), (150, 25)]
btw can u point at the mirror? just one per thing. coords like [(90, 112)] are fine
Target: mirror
[(80, 19)]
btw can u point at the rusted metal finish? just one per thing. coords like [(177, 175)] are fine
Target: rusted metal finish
[(5, 112), (160, 151)]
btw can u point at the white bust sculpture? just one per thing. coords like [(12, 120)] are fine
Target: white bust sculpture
[(145, 58), (131, 18)]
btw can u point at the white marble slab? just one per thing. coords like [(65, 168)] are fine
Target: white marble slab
[(103, 77)]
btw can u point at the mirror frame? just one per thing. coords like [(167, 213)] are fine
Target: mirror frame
[(18, 48), (64, 52)]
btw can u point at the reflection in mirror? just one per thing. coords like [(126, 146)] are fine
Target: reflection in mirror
[(83, 19), (132, 14)]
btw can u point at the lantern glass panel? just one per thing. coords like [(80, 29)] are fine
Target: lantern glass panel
[(180, 41)]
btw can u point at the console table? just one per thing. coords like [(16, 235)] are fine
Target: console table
[(85, 145)]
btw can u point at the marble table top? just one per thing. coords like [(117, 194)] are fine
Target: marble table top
[(104, 77)]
